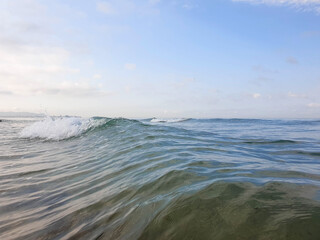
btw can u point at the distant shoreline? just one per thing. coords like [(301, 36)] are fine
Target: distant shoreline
[(20, 115)]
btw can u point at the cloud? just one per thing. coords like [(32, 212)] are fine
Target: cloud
[(314, 105), (23, 22), (5, 93), (26, 60), (295, 95), (97, 76), (305, 5), (29, 70), (31, 64), (292, 60), (256, 95), (71, 89), (130, 66)]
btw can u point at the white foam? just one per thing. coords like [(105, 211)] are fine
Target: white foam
[(172, 120), (59, 128)]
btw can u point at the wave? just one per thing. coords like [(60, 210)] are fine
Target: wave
[(61, 128), (297, 152), (271, 142), (171, 120), (116, 178)]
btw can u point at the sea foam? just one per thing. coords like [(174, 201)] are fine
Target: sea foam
[(60, 128)]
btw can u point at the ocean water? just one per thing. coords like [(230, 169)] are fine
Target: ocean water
[(101, 178)]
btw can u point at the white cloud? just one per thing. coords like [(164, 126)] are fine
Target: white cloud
[(70, 89), (299, 4), (314, 105), (31, 64), (256, 95), (97, 76), (33, 70), (295, 95), (5, 93), (130, 66)]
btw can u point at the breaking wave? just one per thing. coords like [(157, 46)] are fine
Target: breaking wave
[(61, 128)]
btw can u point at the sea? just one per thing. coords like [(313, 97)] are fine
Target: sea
[(117, 178)]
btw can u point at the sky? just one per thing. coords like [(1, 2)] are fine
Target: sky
[(161, 58)]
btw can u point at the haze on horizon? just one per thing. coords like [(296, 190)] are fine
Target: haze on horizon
[(175, 58)]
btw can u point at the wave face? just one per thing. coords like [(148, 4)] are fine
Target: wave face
[(104, 178)]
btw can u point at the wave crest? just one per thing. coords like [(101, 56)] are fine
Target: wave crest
[(61, 128), (172, 120)]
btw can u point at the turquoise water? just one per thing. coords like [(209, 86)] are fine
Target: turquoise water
[(101, 178)]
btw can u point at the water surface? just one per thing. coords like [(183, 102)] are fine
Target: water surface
[(101, 178)]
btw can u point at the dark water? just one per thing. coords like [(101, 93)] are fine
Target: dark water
[(99, 178)]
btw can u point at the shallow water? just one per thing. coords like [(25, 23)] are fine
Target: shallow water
[(100, 178)]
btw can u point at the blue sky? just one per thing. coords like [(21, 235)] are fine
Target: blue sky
[(178, 58)]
